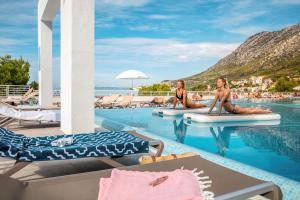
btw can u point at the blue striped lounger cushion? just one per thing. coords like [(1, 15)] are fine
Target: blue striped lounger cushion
[(99, 144)]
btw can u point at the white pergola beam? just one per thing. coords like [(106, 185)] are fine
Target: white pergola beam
[(77, 61), (77, 66), (47, 10), (45, 63)]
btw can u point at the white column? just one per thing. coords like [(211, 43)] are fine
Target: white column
[(77, 66), (45, 62)]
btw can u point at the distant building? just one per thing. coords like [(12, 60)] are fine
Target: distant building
[(256, 80), (208, 87)]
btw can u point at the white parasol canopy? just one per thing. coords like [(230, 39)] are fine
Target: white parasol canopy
[(132, 75)]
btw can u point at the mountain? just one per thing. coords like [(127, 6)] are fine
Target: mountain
[(270, 54)]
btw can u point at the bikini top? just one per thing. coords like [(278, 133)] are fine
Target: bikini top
[(225, 101), (178, 96)]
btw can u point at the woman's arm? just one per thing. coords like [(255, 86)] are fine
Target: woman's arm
[(225, 96), (174, 101), (184, 100), (213, 103)]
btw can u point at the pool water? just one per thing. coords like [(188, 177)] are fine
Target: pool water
[(273, 146)]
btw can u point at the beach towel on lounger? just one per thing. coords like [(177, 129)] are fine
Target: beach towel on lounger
[(133, 185), (99, 144)]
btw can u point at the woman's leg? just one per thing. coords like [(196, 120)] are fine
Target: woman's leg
[(194, 105), (240, 110)]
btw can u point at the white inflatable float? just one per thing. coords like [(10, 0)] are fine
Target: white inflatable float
[(178, 111), (231, 124), (212, 118)]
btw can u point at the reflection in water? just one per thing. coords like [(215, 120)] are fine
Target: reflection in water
[(277, 139), (111, 125), (222, 138), (180, 130)]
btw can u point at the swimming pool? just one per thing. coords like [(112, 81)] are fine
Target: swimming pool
[(273, 146)]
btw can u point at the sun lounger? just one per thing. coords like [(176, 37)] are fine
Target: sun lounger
[(107, 101), (158, 101), (142, 101), (14, 114), (123, 102), (100, 144), (15, 100), (226, 184)]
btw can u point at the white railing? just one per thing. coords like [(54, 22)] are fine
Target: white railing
[(18, 90), (13, 90)]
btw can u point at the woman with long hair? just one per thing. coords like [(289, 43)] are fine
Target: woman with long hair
[(223, 96), (181, 96)]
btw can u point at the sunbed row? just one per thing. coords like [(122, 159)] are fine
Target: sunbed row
[(33, 114), (30, 95), (118, 101)]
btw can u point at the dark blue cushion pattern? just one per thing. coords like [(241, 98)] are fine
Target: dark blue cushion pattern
[(117, 143)]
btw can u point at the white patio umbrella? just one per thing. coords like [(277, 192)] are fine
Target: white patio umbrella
[(296, 88), (132, 75)]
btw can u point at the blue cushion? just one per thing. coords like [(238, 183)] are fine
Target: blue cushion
[(11, 144), (117, 143)]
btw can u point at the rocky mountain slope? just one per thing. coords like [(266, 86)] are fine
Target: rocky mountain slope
[(271, 54)]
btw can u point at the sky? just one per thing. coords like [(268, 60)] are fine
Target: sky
[(166, 39)]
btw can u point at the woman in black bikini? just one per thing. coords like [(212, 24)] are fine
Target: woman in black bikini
[(223, 95), (181, 96)]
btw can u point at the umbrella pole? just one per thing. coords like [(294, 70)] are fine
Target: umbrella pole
[(132, 84), (132, 87)]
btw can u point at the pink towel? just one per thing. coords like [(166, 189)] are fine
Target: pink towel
[(132, 185)]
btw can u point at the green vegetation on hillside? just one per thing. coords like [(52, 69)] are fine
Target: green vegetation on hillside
[(285, 85), (199, 87), (155, 87), (13, 71)]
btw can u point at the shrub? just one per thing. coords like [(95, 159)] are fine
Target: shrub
[(34, 85), (199, 87), (155, 87), (285, 85), (13, 71)]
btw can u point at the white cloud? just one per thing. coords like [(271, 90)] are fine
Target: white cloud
[(287, 2), (162, 17), (159, 58), (247, 30), (160, 50), (151, 27), (125, 3), (235, 18), (13, 42)]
